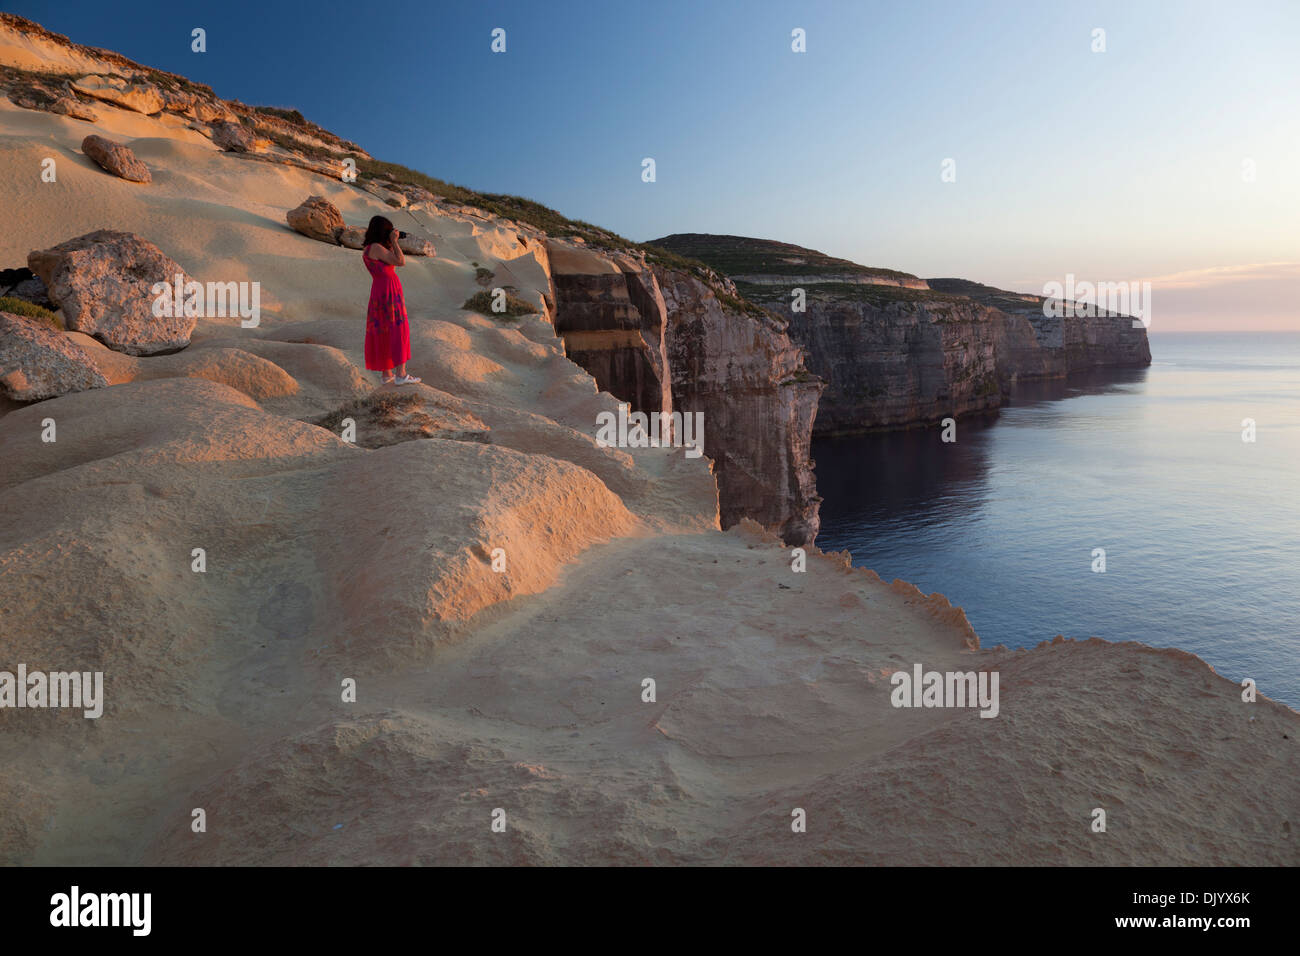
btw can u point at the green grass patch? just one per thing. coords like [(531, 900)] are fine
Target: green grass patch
[(25, 308), (481, 302)]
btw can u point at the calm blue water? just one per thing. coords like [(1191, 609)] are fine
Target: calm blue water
[(1201, 530)]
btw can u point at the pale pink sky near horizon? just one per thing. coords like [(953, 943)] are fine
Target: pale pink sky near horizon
[(1256, 297)]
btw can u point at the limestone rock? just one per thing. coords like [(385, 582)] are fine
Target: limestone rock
[(103, 283), (316, 218), (387, 417), (178, 101), (744, 374), (415, 246), (116, 158), (619, 341), (33, 94), (662, 341), (138, 96), (38, 362), (232, 137), (67, 106), (350, 237), (213, 111)]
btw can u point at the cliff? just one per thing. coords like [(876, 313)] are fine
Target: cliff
[(661, 340), (612, 324), (1039, 345), (741, 370), (896, 350)]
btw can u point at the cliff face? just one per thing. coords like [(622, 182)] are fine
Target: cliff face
[(612, 323), (748, 378), (897, 350), (1046, 346), (661, 340), (891, 361)]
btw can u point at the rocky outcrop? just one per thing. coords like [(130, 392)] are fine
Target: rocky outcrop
[(387, 417), (132, 95), (103, 282), (316, 218), (410, 245), (611, 326), (232, 137), (34, 94), (663, 341), (741, 370), (117, 158), (351, 237), (37, 362)]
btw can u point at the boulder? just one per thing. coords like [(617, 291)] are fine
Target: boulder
[(232, 137), (67, 106), (116, 158), (103, 282), (37, 362), (210, 111), (138, 96), (351, 237), (178, 101), (415, 246), (316, 218)]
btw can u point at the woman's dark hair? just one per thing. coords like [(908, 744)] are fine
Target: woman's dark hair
[(377, 231)]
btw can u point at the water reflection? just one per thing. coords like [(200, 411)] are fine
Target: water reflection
[(1101, 381), (913, 478)]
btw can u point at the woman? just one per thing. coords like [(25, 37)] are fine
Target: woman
[(388, 336)]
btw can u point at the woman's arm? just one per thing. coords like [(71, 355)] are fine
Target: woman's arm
[(399, 258), (386, 253)]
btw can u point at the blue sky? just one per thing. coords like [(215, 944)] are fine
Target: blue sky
[(1119, 165)]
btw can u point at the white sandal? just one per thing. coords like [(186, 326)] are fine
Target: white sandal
[(406, 380)]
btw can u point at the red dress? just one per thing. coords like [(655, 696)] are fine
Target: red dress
[(388, 336)]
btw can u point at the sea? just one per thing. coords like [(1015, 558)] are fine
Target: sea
[(1184, 477)]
